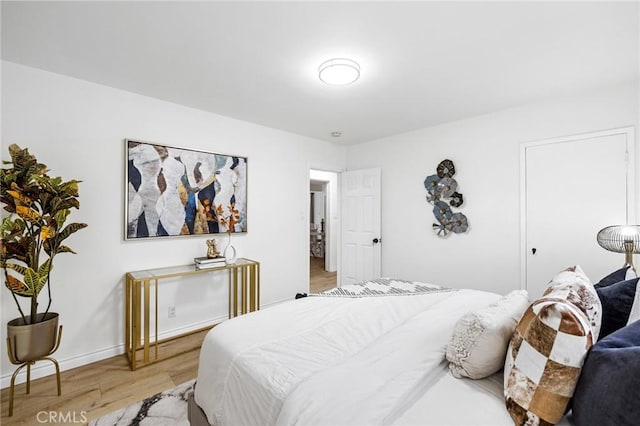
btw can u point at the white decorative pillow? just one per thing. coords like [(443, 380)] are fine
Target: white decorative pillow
[(479, 341)]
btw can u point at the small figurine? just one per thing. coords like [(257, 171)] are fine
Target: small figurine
[(212, 249)]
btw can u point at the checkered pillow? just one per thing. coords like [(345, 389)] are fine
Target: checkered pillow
[(546, 352), (573, 285)]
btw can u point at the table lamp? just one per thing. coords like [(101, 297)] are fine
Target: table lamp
[(621, 239)]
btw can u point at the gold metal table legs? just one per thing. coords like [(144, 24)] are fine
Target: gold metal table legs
[(244, 297), (244, 289)]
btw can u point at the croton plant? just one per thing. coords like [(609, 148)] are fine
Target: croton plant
[(34, 230)]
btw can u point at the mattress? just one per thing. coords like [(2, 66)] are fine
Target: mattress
[(347, 361)]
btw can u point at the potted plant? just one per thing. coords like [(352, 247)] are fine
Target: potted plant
[(32, 235)]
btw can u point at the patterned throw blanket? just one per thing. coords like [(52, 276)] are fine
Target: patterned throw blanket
[(383, 287)]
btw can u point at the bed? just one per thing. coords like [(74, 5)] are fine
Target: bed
[(360, 355)]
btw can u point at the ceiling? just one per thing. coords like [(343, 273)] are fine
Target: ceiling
[(422, 63)]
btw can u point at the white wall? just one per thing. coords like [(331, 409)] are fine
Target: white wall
[(77, 128), (485, 151)]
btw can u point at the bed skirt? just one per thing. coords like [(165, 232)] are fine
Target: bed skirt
[(195, 414)]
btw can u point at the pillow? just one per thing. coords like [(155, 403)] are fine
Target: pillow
[(608, 391), (544, 360), (573, 286), (617, 301), (548, 347), (634, 315), (479, 341), (622, 274)]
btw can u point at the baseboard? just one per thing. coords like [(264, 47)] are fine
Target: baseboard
[(189, 327), (44, 368)]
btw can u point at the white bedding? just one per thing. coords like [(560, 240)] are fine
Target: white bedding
[(459, 402), (462, 402), (340, 361)]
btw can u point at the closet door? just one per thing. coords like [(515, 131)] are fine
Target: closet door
[(571, 188)]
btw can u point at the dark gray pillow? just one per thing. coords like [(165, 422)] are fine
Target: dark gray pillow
[(614, 277), (617, 301), (608, 390)]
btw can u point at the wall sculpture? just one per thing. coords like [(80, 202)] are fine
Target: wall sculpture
[(442, 194)]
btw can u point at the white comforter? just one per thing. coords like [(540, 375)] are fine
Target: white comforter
[(329, 361)]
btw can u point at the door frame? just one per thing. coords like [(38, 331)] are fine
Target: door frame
[(631, 159)]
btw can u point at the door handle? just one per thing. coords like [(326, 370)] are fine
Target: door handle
[(534, 250), (377, 240)]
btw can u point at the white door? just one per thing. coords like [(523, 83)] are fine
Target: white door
[(573, 187), (360, 247)]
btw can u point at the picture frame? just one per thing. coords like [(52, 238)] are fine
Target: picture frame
[(172, 192)]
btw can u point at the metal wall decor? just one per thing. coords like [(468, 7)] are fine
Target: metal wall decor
[(442, 187)]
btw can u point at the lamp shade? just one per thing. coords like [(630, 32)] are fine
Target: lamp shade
[(620, 238)]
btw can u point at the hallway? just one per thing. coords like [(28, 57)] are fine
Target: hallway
[(320, 279)]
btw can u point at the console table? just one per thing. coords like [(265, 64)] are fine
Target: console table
[(244, 296)]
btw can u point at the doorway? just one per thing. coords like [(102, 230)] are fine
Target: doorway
[(323, 214)]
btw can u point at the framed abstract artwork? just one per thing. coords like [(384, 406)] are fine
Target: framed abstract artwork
[(177, 191)]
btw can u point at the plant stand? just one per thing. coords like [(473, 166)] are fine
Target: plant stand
[(28, 364)]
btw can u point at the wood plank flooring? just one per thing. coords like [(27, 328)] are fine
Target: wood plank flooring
[(99, 388), (94, 390), (319, 279)]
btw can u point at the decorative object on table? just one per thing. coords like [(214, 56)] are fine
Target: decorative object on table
[(209, 262), (228, 220), (172, 191), (32, 235), (212, 249), (621, 239), (441, 186)]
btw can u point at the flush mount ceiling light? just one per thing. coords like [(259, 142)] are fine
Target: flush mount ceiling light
[(339, 71)]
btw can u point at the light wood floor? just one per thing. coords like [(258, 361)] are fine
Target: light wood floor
[(320, 279), (101, 387)]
